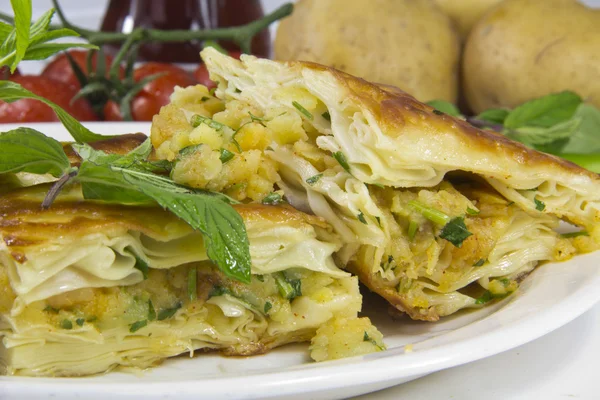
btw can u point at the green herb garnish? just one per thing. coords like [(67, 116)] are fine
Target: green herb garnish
[(314, 179), (361, 218), (66, 324), (367, 338), (341, 159), (168, 312), (226, 155), (539, 205), (412, 229), (454, 229), (289, 289), (80, 321), (272, 199), (192, 282), (267, 307), (198, 119), (574, 234), (136, 326), (480, 262), (302, 110), (151, 311), (219, 291), (188, 150), (51, 309), (326, 115), (472, 211), (141, 266)]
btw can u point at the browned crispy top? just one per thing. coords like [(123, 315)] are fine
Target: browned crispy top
[(396, 109)]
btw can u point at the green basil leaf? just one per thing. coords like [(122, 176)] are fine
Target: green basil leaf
[(586, 139), (168, 312), (11, 91), (25, 149), (136, 326), (494, 115), (44, 50), (545, 111), (22, 11), (445, 107)]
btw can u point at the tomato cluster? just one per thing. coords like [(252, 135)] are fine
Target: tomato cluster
[(58, 83)]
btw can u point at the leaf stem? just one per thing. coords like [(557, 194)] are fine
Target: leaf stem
[(56, 188)]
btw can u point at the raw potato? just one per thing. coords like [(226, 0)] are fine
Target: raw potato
[(466, 13), (525, 49), (406, 43)]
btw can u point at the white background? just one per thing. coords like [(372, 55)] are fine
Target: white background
[(562, 365)]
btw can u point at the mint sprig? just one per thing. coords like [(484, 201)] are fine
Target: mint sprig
[(27, 41), (126, 179)]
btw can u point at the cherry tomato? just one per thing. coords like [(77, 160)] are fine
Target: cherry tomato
[(5, 72), (201, 73), (28, 110), (155, 94), (60, 69)]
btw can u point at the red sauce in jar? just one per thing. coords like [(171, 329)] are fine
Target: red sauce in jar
[(125, 15)]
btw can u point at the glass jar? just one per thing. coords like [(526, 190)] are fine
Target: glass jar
[(125, 15)]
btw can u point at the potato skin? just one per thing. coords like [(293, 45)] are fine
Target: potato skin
[(405, 43), (525, 49), (465, 13)]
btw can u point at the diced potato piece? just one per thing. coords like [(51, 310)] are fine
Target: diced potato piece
[(286, 127), (345, 337), (199, 168), (253, 136), (206, 135)]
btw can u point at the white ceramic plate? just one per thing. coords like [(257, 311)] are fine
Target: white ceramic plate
[(550, 297)]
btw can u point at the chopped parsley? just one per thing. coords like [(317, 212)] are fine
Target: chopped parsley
[(66, 324), (212, 91), (480, 262), (192, 281), (260, 278), (80, 321), (136, 326), (186, 151), (574, 234), (288, 288), (204, 98), (219, 291), (341, 159), (472, 211), (437, 112), (367, 338), (302, 110), (168, 312), (455, 231), (484, 298), (272, 199), (198, 119), (151, 311), (314, 179), (378, 220), (361, 218), (413, 227), (326, 115), (51, 309), (267, 307), (254, 118), (142, 266), (539, 205), (226, 155)]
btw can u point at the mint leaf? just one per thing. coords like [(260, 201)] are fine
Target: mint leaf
[(495, 115), (587, 161), (27, 150), (586, 139), (445, 107), (22, 11), (550, 140), (11, 91), (221, 226), (44, 50), (545, 111), (455, 231)]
